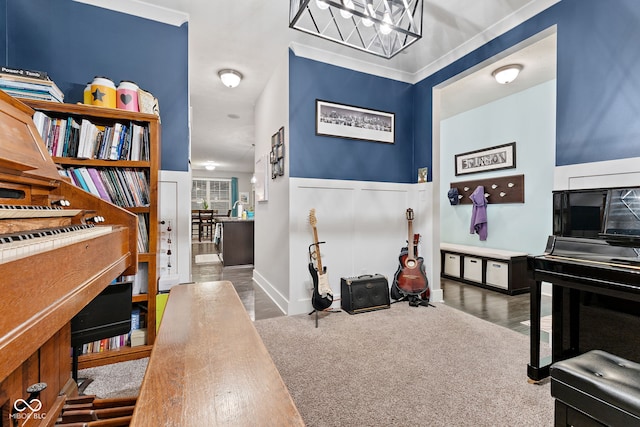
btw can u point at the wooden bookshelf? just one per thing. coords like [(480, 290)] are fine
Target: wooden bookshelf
[(107, 117)]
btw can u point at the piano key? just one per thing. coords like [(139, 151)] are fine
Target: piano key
[(29, 211), (18, 245)]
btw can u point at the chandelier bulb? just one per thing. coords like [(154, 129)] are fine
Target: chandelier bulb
[(349, 5), (385, 28), (370, 12), (322, 5)]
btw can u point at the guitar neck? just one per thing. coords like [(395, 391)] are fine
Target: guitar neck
[(317, 245), (410, 245)]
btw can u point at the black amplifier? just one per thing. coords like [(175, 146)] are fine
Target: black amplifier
[(364, 293)]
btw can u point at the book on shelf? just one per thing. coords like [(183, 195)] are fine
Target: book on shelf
[(23, 73), (106, 344), (143, 233), (140, 279), (65, 137), (36, 89), (125, 187)]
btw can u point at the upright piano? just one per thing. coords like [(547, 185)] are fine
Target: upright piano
[(59, 248), (593, 264)]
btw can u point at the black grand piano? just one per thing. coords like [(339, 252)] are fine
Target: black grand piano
[(593, 264)]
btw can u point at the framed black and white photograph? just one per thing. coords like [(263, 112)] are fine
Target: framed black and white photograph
[(347, 121), (487, 159)]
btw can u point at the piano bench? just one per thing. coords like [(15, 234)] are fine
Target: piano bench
[(595, 389)]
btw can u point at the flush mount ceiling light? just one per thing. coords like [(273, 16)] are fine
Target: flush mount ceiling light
[(507, 74), (230, 78), (380, 27), (209, 166)]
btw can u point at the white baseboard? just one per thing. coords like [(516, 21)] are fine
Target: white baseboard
[(271, 291)]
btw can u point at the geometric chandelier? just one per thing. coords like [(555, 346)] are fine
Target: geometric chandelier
[(379, 27)]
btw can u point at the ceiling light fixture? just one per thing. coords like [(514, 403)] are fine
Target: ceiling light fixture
[(210, 166), (230, 78), (507, 74), (380, 27)]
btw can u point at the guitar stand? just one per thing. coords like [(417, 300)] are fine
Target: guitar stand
[(324, 311), (414, 301), (311, 257)]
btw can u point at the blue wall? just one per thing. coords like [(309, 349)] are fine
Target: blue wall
[(313, 156), (598, 83), (598, 99), (74, 42)]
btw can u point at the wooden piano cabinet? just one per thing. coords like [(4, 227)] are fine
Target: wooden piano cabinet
[(44, 286), (49, 363), (209, 366)]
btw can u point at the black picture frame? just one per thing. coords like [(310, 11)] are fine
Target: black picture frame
[(351, 122), (487, 159)]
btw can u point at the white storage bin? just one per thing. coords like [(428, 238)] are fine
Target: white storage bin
[(473, 269), (498, 274), (452, 265)]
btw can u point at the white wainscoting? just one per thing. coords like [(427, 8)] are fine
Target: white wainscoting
[(610, 173), (364, 226), (175, 199)]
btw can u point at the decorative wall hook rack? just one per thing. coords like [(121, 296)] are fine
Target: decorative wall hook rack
[(504, 189)]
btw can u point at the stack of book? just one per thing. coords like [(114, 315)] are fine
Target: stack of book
[(21, 83)]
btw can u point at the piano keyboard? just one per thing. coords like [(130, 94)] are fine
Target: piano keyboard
[(19, 245), (28, 211)]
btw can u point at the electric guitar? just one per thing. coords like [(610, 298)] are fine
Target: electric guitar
[(410, 279), (322, 295)]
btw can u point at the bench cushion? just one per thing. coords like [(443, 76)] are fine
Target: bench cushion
[(601, 385)]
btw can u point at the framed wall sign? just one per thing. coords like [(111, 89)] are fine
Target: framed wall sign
[(487, 159), (347, 121), (276, 156)]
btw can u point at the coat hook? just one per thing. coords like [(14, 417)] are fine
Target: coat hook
[(494, 186), (502, 194), (510, 185), (460, 196), (486, 194), (466, 188)]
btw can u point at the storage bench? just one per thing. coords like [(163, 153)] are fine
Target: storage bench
[(504, 271)]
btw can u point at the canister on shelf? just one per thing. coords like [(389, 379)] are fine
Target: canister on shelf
[(127, 96), (103, 92), (87, 94)]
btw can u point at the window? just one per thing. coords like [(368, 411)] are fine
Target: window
[(215, 192)]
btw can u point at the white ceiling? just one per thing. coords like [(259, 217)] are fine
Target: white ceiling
[(247, 35)]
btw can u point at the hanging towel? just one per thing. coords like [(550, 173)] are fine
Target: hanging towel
[(479, 213)]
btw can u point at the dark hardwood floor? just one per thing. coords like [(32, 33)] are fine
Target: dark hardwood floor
[(505, 310), (502, 309), (258, 304)]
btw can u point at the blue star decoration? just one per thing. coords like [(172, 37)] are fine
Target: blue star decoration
[(97, 95)]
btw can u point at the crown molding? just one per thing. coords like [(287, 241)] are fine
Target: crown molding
[(141, 9)]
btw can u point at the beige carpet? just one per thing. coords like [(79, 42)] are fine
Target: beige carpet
[(406, 366), (121, 379)]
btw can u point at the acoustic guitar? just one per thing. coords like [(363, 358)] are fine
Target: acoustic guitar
[(410, 280), (322, 295)]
